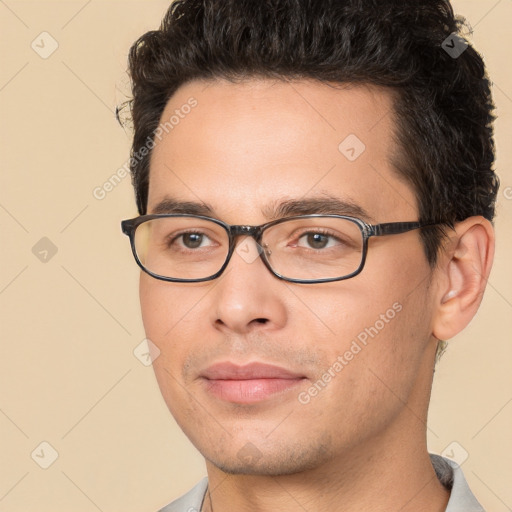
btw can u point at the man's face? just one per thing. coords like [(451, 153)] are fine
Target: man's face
[(354, 357)]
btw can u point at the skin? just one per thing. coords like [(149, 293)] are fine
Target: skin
[(242, 148)]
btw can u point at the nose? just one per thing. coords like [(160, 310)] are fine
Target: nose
[(248, 296)]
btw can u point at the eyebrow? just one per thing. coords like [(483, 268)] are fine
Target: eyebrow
[(325, 204)]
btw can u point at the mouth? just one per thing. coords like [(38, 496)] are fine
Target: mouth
[(247, 384)]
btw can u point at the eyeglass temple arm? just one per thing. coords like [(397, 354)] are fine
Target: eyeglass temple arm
[(395, 228)]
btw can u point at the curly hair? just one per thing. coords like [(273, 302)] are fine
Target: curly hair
[(443, 107)]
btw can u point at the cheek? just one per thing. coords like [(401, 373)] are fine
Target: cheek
[(165, 313), (374, 341), (167, 308), (353, 309), (375, 364), (154, 308)]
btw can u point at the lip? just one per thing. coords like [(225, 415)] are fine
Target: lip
[(231, 371), (250, 383)]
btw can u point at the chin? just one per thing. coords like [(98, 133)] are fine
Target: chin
[(249, 460)]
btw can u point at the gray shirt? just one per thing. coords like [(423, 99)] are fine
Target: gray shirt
[(449, 474)]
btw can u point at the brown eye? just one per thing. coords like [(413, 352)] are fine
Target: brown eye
[(317, 240), (192, 240)]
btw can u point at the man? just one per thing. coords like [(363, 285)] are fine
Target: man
[(316, 193)]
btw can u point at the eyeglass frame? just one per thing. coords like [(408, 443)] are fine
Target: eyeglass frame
[(129, 227)]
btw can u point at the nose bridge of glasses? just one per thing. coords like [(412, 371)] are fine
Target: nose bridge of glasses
[(245, 230), (249, 251)]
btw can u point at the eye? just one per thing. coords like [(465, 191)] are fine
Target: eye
[(191, 240), (318, 240)]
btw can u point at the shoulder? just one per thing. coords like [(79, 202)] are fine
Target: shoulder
[(190, 502)]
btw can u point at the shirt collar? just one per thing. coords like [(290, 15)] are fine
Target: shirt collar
[(448, 472), (451, 476)]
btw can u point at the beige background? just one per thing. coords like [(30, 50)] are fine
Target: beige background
[(70, 324)]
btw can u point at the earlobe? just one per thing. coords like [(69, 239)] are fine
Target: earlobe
[(468, 261)]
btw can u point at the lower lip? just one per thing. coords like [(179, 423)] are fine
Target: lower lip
[(251, 390)]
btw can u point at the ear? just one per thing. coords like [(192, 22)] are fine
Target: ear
[(465, 266)]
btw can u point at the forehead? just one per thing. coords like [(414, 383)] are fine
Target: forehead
[(242, 146)]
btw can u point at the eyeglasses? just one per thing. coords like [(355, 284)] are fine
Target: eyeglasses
[(313, 248)]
